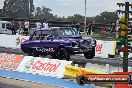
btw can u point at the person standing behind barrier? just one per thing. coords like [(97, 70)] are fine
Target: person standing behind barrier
[(20, 27), (77, 26), (45, 25), (38, 25), (13, 27), (93, 29), (89, 29), (26, 27), (72, 25)]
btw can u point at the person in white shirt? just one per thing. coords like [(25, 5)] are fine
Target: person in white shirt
[(20, 27), (38, 25), (26, 27), (45, 25)]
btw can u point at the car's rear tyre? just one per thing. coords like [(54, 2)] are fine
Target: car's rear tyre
[(62, 54), (35, 54), (32, 52), (90, 54)]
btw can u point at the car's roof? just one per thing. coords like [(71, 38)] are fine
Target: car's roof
[(42, 29), (50, 28), (59, 27)]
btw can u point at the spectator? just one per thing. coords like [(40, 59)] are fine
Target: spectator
[(20, 27), (72, 25), (93, 27), (77, 26), (38, 25), (45, 25), (13, 27), (89, 29), (26, 27)]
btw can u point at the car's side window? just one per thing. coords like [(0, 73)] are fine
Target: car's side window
[(45, 35), (36, 35)]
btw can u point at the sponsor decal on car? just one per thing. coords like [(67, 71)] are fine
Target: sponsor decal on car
[(45, 49)]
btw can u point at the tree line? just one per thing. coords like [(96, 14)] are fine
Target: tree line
[(26, 9)]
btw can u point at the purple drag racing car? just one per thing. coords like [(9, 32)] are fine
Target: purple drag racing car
[(59, 42)]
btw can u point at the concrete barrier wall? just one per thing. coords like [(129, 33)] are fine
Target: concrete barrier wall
[(10, 61), (102, 49), (40, 66), (43, 66), (33, 65), (12, 41), (48, 67)]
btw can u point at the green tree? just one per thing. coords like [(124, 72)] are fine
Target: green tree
[(37, 12), (17, 8), (106, 17), (76, 17), (44, 13)]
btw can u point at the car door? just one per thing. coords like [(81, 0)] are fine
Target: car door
[(35, 43), (47, 42)]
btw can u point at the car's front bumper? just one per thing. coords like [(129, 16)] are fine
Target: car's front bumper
[(80, 50)]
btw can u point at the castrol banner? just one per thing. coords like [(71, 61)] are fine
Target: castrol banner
[(43, 66), (10, 61)]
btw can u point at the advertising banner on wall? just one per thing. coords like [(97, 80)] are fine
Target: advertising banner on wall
[(119, 79), (43, 66), (103, 48), (12, 41), (10, 61)]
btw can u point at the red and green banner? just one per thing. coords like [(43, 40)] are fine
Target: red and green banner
[(10, 61)]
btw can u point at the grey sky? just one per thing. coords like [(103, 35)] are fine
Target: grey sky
[(71, 7)]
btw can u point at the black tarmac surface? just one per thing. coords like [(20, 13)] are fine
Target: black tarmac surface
[(95, 60)]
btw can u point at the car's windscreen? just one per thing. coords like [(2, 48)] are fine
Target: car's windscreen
[(42, 34), (66, 32), (46, 32)]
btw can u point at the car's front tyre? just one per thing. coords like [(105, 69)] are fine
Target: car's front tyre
[(30, 52), (63, 54), (90, 54)]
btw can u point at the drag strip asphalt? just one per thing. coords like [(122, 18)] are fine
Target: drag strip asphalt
[(95, 60), (57, 82), (14, 83)]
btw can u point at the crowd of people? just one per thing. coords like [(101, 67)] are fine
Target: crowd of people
[(22, 27), (40, 25), (90, 29)]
